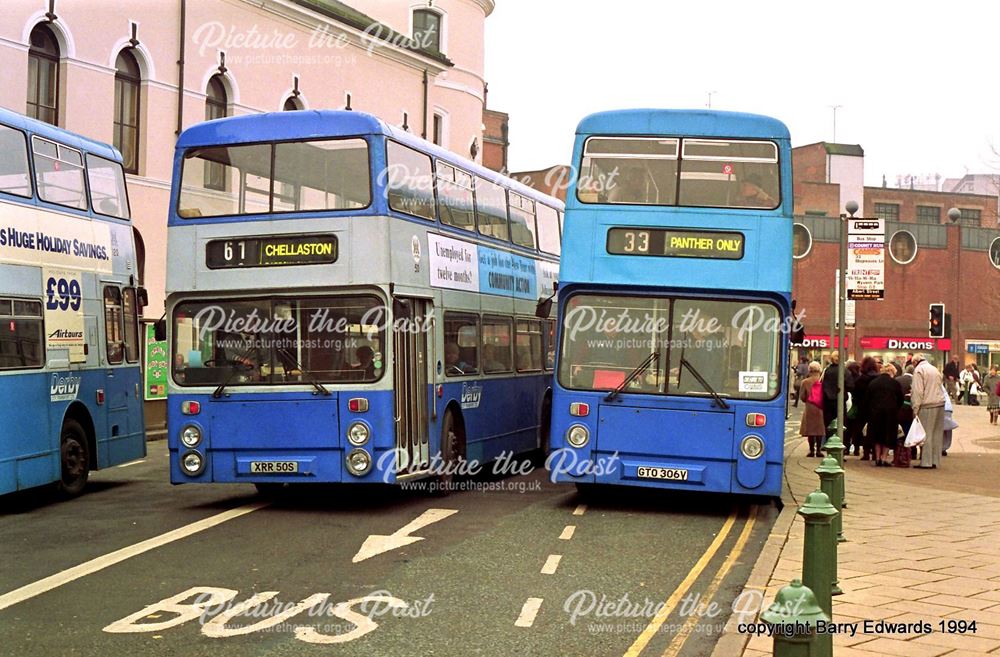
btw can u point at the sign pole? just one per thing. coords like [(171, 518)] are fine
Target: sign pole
[(851, 208)]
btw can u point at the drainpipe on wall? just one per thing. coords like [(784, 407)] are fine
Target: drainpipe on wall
[(423, 133), (180, 69)]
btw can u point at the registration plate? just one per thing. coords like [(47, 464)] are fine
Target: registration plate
[(671, 474), (273, 467)]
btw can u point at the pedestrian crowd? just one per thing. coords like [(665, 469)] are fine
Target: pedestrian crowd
[(897, 414)]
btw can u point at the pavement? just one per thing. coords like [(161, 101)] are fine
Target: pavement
[(922, 546)]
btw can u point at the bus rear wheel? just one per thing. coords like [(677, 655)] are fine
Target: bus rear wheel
[(451, 453), (74, 459)]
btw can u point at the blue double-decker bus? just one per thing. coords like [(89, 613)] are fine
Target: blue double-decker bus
[(350, 303), (674, 303), (69, 309)]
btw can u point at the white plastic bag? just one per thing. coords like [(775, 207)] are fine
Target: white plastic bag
[(917, 435)]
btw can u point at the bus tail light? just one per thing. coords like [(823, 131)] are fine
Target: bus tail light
[(357, 405), (579, 409), (191, 407), (756, 419), (100, 396)]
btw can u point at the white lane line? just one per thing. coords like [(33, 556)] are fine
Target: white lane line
[(567, 532), (125, 465), (528, 612), (54, 581), (580, 510), (551, 564)]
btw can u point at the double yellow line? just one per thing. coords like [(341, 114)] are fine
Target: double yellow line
[(668, 607)]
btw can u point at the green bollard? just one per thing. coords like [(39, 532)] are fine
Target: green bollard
[(828, 472), (795, 613), (835, 448), (818, 557)]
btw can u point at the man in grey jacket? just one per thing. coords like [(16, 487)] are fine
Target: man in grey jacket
[(927, 399)]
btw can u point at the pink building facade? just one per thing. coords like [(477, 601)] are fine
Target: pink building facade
[(418, 64)]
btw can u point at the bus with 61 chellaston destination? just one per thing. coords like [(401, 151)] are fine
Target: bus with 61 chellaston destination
[(350, 303), (69, 309), (674, 303)]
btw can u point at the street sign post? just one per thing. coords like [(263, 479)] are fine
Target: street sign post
[(865, 259)]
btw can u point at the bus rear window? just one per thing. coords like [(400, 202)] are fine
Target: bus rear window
[(408, 181), (107, 187), (59, 174), (15, 177), (629, 170), (267, 178), (691, 172)]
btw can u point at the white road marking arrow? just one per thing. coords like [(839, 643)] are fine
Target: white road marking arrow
[(377, 543)]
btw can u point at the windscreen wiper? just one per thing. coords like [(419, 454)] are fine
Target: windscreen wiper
[(311, 378), (234, 370), (715, 396), (640, 368)]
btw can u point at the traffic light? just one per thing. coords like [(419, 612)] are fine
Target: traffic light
[(936, 327)]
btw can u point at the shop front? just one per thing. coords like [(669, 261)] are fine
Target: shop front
[(984, 353), (897, 349)]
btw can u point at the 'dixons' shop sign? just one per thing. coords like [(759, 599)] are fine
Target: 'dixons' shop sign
[(906, 344)]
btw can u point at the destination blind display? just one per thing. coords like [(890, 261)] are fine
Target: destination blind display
[(674, 243), (271, 251)]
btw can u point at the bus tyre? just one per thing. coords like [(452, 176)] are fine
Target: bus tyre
[(451, 451), (74, 459)]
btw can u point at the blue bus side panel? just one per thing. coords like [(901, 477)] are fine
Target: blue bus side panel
[(123, 439), (505, 419), (27, 433)]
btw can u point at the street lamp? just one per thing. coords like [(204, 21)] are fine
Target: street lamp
[(954, 214)]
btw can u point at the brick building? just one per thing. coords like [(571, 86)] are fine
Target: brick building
[(495, 143), (929, 259)]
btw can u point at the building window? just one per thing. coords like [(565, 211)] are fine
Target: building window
[(802, 241), (927, 214), (43, 76), (970, 217), (427, 29), (887, 211), (437, 135), (903, 247), (216, 107), (292, 104), (216, 99), (126, 136)]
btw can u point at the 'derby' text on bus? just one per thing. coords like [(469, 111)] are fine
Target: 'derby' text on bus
[(69, 309), (350, 303), (674, 303)]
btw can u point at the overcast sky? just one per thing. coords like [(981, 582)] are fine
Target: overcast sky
[(916, 81)]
